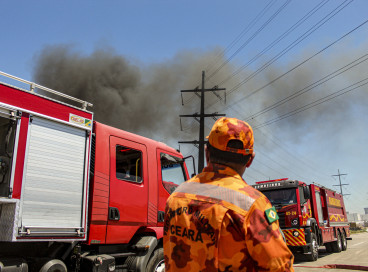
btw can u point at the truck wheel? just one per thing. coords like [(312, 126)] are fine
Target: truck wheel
[(54, 266), (337, 245), (344, 242), (157, 262), (313, 256)]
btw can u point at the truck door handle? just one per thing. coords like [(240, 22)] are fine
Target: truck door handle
[(161, 216), (114, 214)]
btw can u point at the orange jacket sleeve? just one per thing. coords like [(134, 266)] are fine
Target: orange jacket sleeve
[(264, 241)]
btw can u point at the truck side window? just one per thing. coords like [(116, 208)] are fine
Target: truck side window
[(172, 171), (128, 164), (301, 195)]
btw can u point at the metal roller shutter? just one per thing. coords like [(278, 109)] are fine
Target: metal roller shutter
[(54, 179)]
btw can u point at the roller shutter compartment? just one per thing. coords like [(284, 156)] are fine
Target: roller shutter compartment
[(52, 202)]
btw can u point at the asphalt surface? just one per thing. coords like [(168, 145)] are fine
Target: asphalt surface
[(356, 255)]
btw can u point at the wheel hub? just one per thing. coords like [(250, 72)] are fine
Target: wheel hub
[(160, 267)]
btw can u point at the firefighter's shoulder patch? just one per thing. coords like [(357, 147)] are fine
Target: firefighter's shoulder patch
[(271, 215)]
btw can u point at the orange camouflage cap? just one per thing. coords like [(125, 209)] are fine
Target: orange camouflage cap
[(226, 129)]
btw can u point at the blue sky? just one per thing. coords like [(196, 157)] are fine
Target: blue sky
[(188, 35), (150, 31)]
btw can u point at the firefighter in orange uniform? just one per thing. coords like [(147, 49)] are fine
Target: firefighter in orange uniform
[(216, 221)]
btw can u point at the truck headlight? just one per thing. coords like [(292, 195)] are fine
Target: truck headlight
[(112, 267), (296, 233)]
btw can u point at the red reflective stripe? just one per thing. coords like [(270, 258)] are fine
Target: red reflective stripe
[(292, 240)]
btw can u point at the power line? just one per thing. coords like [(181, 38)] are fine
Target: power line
[(313, 10), (277, 40), (292, 45), (250, 39), (288, 170), (269, 167), (233, 43), (295, 157), (317, 102), (255, 170), (288, 48), (244, 31), (311, 86), (250, 176), (298, 65), (325, 99)]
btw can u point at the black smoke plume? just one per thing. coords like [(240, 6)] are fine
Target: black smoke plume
[(143, 99)]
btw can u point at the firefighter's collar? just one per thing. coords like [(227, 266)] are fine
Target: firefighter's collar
[(222, 169)]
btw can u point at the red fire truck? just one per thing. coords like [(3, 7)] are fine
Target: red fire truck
[(76, 194), (309, 215)]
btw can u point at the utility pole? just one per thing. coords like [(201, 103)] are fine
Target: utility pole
[(201, 141), (339, 175)]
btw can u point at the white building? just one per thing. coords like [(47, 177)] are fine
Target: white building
[(354, 217)]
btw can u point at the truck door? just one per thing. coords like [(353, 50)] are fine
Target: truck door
[(173, 173), (128, 189)]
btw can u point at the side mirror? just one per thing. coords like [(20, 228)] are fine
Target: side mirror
[(194, 169), (306, 192)]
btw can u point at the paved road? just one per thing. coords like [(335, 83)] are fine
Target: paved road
[(356, 254)]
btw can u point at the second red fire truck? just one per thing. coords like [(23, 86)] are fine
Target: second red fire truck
[(309, 215)]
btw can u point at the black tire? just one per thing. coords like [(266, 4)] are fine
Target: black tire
[(157, 261), (53, 266), (337, 245), (313, 248), (344, 242)]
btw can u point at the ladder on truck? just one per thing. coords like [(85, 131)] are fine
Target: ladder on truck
[(32, 87)]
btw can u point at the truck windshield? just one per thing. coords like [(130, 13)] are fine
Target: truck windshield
[(281, 196)]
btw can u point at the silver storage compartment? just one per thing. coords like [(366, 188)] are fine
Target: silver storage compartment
[(54, 183)]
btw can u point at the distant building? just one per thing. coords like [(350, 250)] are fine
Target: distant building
[(354, 217), (366, 210)]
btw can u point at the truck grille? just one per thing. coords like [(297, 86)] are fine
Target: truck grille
[(281, 219)]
